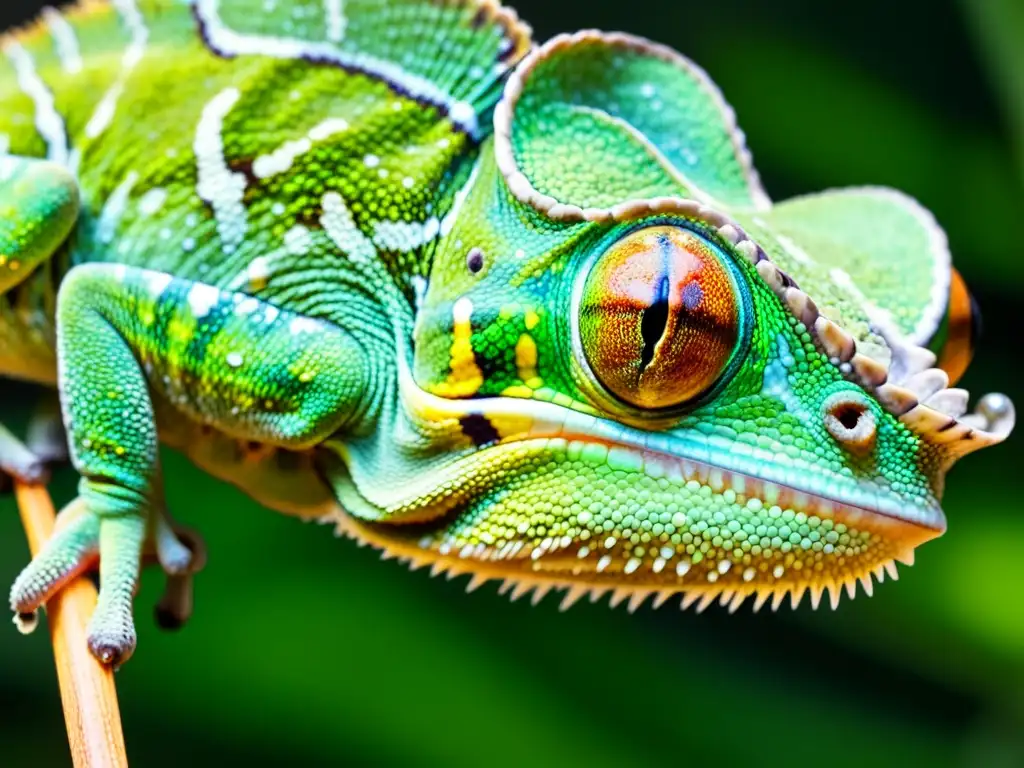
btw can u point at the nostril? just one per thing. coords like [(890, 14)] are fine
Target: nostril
[(850, 421), (475, 260), (849, 416)]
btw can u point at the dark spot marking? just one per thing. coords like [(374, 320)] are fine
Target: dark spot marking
[(475, 260), (948, 425), (478, 429)]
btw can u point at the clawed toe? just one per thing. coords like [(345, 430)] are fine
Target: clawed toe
[(26, 621), (18, 462), (119, 541), (112, 651), (176, 604), (70, 551), (31, 471)]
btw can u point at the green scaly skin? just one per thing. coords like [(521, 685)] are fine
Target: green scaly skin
[(527, 316)]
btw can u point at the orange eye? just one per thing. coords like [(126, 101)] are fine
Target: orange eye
[(660, 317)]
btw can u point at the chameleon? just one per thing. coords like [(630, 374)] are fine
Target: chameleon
[(522, 311)]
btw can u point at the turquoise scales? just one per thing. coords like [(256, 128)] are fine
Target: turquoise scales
[(525, 314)]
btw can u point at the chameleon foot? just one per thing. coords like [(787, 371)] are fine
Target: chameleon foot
[(117, 541), (18, 462), (175, 607), (46, 444)]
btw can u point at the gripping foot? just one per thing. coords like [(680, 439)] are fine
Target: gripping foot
[(175, 607), (18, 462), (118, 542), (46, 445)]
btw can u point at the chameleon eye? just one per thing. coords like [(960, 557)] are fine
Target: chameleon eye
[(659, 317)]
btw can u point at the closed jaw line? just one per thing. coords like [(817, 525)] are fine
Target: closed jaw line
[(708, 459)]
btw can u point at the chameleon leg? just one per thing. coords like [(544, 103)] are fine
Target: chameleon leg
[(38, 207), (228, 360), (113, 442)]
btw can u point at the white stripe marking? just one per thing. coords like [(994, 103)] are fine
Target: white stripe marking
[(49, 124), (327, 128), (103, 115), (336, 21), (65, 41), (129, 12), (298, 240), (217, 184), (282, 158), (157, 282), (201, 299), (304, 325), (104, 112), (339, 225), (152, 201), (113, 209), (460, 197), (228, 42), (8, 165), (405, 236)]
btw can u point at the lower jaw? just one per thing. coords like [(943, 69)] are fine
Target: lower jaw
[(739, 537)]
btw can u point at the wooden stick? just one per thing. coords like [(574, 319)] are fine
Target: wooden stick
[(86, 686)]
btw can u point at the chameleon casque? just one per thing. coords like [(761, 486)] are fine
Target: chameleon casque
[(524, 312)]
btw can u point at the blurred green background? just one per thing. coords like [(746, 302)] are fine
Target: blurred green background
[(306, 650)]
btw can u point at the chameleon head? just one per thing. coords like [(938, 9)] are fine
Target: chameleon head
[(634, 371)]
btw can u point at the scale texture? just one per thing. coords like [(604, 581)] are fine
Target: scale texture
[(519, 311)]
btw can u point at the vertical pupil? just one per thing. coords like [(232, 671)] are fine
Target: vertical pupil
[(652, 326)]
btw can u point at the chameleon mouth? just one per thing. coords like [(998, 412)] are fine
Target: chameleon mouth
[(711, 460), (772, 538), (804, 543)]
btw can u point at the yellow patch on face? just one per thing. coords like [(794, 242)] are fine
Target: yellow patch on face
[(508, 425), (526, 361), (465, 378), (517, 390)]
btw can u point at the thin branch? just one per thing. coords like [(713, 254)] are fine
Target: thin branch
[(86, 687)]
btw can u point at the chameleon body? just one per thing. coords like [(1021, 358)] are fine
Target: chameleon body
[(524, 312)]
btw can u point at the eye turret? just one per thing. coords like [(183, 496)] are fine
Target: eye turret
[(660, 317)]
